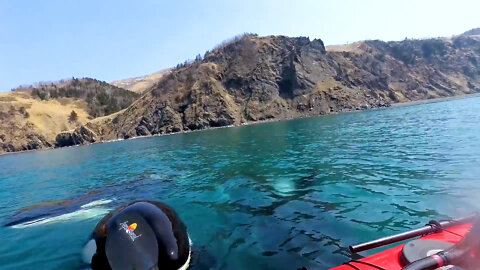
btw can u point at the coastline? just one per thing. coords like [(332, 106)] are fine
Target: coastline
[(434, 100), (393, 105)]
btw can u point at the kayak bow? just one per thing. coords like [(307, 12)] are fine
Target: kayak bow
[(434, 238)]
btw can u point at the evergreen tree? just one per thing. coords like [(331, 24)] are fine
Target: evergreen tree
[(73, 117)]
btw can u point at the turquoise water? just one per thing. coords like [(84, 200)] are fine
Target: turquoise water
[(271, 196)]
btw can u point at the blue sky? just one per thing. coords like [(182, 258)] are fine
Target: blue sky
[(110, 40)]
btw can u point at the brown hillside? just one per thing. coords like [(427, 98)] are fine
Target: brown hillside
[(27, 123), (32, 116), (259, 78)]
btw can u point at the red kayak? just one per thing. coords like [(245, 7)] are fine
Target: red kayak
[(454, 242)]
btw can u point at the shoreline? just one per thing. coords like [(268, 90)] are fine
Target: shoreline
[(393, 105), (434, 100)]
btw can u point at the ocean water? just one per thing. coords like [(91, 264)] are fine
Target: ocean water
[(271, 196)]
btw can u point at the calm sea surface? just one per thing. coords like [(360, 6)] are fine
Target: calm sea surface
[(271, 196)]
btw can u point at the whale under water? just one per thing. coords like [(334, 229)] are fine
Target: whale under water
[(101, 201), (95, 203), (46, 213)]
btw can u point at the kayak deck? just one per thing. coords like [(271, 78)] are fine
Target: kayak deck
[(390, 258)]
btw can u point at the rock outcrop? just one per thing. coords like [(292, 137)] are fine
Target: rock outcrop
[(28, 139), (80, 135)]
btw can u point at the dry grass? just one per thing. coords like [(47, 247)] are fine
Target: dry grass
[(352, 47), (328, 85), (49, 117), (106, 118), (140, 84)]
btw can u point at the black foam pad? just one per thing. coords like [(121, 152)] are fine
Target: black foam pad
[(418, 249), (162, 227), (130, 246)]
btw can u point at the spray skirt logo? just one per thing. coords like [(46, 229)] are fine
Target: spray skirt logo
[(129, 229)]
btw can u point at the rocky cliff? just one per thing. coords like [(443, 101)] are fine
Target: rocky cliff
[(248, 79), (260, 78)]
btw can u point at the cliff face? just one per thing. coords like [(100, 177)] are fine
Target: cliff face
[(259, 78), (414, 69)]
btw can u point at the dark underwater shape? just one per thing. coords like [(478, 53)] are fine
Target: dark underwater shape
[(50, 209), (103, 196)]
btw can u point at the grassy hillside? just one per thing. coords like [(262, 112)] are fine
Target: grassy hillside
[(141, 84), (100, 97), (28, 123), (32, 116)]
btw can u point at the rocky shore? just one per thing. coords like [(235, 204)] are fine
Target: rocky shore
[(272, 78), (255, 79)]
